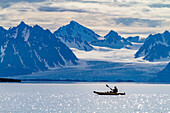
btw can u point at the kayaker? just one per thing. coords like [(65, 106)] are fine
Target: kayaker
[(115, 90)]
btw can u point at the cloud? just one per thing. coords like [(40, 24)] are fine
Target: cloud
[(22, 10), (60, 9), (143, 32), (159, 5), (8, 3), (123, 16), (131, 21)]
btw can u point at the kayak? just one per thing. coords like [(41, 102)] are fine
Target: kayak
[(108, 93)]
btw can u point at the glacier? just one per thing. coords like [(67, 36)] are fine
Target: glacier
[(103, 63)]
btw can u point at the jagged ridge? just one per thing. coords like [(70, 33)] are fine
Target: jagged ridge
[(77, 36), (112, 40), (26, 49), (155, 48)]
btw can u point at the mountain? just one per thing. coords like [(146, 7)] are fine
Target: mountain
[(77, 36), (112, 40), (155, 48), (164, 75), (26, 49), (135, 39)]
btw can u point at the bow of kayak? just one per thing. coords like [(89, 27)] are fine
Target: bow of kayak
[(108, 93)]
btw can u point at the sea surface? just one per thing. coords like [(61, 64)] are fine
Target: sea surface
[(79, 98)]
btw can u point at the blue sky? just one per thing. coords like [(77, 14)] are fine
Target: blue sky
[(127, 17)]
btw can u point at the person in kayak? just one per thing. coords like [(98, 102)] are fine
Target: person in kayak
[(115, 90)]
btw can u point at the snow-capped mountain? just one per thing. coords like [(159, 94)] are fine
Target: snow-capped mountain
[(26, 49), (112, 40), (135, 39), (155, 48), (77, 36)]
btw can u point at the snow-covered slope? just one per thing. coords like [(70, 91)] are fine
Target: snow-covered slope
[(112, 40), (26, 49), (77, 36), (155, 48), (136, 39)]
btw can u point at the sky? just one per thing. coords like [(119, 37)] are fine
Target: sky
[(127, 17)]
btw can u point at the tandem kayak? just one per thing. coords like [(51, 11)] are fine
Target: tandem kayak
[(108, 93)]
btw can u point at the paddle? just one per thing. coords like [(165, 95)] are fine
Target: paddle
[(108, 87)]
